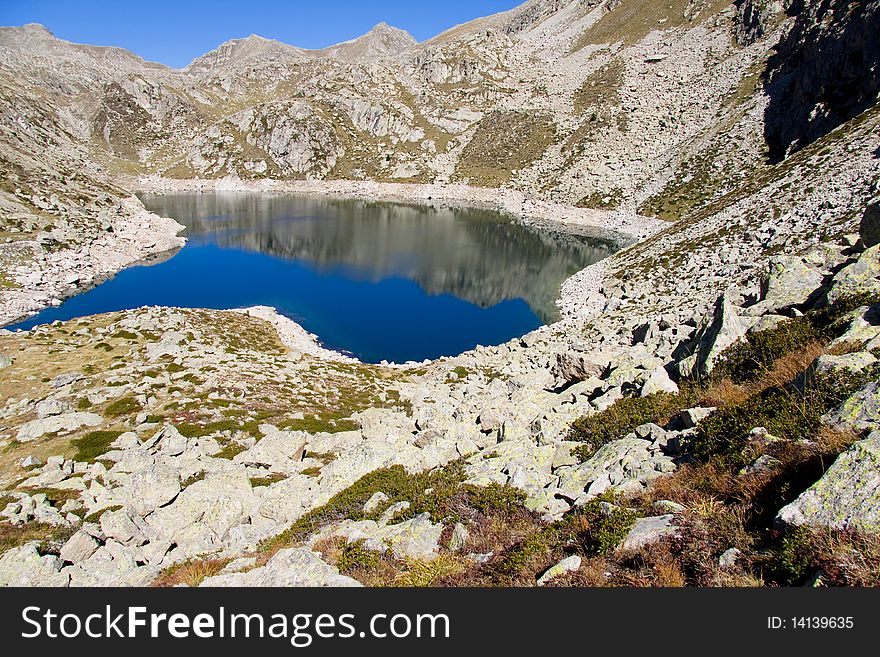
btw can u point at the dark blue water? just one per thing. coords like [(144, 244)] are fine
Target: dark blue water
[(380, 281)]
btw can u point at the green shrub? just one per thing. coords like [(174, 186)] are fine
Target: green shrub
[(627, 414), (395, 482), (790, 562), (93, 445), (786, 412), (599, 532), (495, 498), (257, 482), (230, 451), (356, 557), (124, 406), (747, 360)]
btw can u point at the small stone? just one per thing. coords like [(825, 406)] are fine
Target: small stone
[(30, 461), (567, 565), (375, 501), (763, 463), (459, 538), (392, 511), (693, 416), (730, 558), (649, 530), (668, 506)]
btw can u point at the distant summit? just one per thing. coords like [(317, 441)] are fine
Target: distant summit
[(380, 42)]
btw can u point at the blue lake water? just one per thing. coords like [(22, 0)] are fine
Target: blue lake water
[(380, 281)]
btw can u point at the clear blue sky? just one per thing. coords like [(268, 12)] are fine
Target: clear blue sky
[(174, 32)]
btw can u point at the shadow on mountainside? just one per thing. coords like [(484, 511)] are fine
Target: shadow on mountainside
[(825, 71)]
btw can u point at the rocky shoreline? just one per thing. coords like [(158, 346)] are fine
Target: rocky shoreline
[(628, 227), (58, 265)]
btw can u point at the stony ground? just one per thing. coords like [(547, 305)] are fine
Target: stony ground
[(704, 414)]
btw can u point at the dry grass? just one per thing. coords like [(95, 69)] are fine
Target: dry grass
[(504, 142), (785, 369), (190, 573)]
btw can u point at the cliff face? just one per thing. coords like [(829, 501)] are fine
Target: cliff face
[(826, 70)]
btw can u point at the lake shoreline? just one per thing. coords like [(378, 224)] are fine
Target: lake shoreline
[(623, 226), (579, 297)]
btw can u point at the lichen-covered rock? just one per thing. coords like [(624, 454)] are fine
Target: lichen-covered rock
[(153, 487), (417, 538), (860, 277), (848, 494), (790, 282), (627, 465), (647, 531), (725, 328), (25, 566), (35, 429), (293, 568), (567, 565), (858, 413)]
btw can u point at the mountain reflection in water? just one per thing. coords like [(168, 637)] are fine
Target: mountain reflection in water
[(382, 281)]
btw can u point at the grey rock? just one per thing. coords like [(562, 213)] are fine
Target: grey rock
[(392, 511), (375, 501), (153, 487), (763, 463), (848, 494), (293, 568), (239, 565), (119, 526), (730, 558), (567, 565), (693, 416), (459, 538), (30, 461), (668, 506), (658, 381), (572, 367), (790, 283), (50, 406), (25, 566), (35, 429), (854, 362), (649, 530), (858, 413), (66, 379), (859, 277), (79, 547), (725, 329)]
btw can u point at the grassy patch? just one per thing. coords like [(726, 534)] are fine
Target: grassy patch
[(93, 445), (329, 422), (257, 482), (504, 142), (230, 451), (96, 516), (124, 406), (12, 536), (786, 412), (190, 573), (441, 493), (355, 556)]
